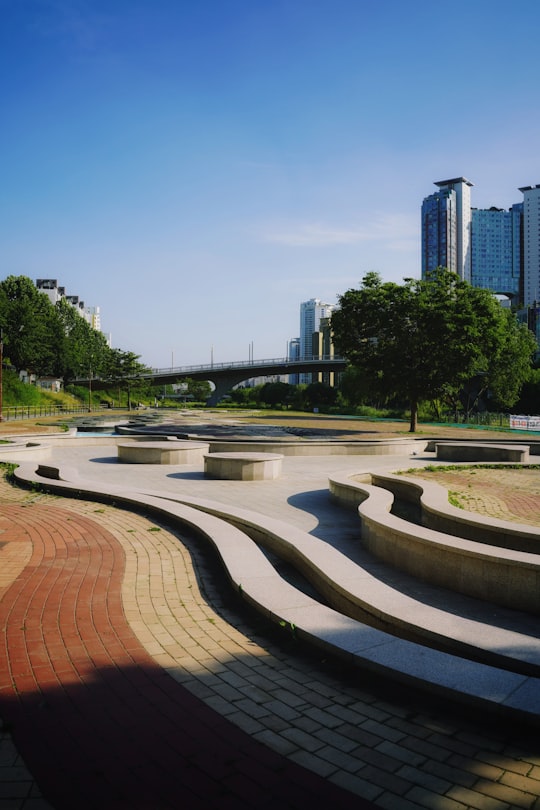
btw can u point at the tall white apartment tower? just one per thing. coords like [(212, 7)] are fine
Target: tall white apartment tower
[(311, 313), (531, 244)]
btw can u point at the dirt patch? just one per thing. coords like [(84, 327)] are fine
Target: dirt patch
[(504, 493)]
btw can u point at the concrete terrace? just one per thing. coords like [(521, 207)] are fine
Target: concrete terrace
[(101, 605)]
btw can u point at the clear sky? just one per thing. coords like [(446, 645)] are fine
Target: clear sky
[(198, 168)]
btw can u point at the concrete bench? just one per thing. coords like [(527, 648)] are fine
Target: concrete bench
[(243, 466), (475, 451), (165, 452)]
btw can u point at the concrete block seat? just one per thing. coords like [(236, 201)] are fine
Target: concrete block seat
[(478, 451), (164, 452), (243, 466)]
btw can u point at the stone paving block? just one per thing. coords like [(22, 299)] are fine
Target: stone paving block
[(313, 762), (431, 782), (354, 782), (427, 798)]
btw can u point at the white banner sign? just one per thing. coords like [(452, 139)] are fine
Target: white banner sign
[(525, 422)]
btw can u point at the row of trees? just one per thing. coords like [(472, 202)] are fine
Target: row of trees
[(438, 339), (49, 339), (284, 395)]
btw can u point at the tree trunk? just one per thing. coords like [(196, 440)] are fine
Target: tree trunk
[(414, 416)]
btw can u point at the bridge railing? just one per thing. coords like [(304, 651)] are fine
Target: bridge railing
[(240, 364), (258, 367)]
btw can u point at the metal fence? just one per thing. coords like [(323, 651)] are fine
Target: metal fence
[(501, 420), (16, 412)]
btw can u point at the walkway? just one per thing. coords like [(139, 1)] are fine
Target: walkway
[(96, 602)]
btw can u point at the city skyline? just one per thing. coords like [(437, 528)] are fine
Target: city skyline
[(199, 170)]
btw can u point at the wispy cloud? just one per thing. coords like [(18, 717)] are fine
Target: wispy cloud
[(387, 227)]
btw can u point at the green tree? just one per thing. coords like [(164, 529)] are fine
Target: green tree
[(276, 393), (320, 395), (355, 389), (200, 390), (529, 400), (246, 396), (84, 350), (31, 331), (426, 339), (124, 369)]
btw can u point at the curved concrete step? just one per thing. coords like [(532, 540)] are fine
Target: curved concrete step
[(250, 573), (500, 575)]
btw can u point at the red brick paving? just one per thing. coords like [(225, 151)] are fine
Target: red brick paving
[(99, 724)]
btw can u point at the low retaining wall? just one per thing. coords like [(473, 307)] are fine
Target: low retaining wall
[(474, 451), (439, 514), (499, 575), (308, 447)]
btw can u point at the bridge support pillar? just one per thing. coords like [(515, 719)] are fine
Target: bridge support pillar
[(223, 384)]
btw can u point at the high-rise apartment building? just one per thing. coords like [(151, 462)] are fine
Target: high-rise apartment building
[(531, 245), (49, 286), (496, 251), (311, 313), (446, 228)]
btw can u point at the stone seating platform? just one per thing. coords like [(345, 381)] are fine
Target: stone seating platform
[(439, 514), (243, 466), (504, 687), (496, 574), (314, 447), (482, 452), (162, 452)]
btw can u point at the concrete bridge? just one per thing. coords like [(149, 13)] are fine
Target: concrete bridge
[(225, 376)]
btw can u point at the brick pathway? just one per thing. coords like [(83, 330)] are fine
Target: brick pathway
[(105, 606), (100, 723)]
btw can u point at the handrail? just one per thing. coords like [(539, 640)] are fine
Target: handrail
[(257, 365), (240, 364)]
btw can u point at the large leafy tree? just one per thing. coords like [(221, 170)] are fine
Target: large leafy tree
[(124, 370), (427, 339), (200, 390), (84, 350), (31, 331)]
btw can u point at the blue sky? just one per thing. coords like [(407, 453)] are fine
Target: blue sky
[(197, 168)]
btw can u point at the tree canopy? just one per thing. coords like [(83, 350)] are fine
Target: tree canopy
[(124, 370), (427, 339), (54, 339)]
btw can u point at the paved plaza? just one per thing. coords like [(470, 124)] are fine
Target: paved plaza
[(133, 678)]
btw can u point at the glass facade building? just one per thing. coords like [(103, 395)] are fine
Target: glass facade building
[(311, 313), (496, 250), (446, 228), (439, 232)]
